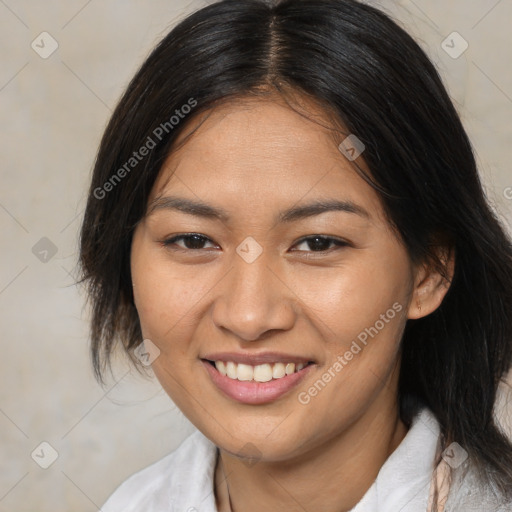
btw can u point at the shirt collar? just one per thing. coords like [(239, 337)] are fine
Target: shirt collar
[(402, 484)]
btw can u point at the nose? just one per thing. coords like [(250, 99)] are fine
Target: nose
[(252, 301)]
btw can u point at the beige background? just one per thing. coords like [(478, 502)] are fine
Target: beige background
[(53, 113)]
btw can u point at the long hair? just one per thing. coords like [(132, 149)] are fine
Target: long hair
[(371, 75)]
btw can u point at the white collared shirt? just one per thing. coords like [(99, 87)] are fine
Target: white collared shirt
[(183, 481)]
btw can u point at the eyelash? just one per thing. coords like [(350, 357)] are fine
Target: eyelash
[(188, 236)]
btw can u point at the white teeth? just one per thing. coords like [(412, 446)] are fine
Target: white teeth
[(260, 373), (278, 371), (231, 370), (244, 372), (221, 367)]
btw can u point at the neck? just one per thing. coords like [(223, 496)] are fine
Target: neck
[(332, 478)]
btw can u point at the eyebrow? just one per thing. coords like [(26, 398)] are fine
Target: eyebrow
[(295, 213)]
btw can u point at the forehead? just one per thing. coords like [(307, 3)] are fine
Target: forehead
[(264, 152)]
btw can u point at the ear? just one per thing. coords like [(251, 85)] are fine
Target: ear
[(430, 285)]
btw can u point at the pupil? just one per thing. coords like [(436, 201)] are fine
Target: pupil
[(319, 244), (194, 242)]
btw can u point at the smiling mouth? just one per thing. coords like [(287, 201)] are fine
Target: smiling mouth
[(259, 373)]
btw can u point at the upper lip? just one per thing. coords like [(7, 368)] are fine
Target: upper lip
[(256, 359)]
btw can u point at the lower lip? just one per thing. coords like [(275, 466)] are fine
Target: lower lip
[(251, 392)]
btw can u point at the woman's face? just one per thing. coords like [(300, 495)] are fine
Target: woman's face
[(291, 262)]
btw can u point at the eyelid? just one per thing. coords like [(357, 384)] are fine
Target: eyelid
[(337, 241), (168, 241)]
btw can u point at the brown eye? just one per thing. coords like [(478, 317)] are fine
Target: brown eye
[(192, 241), (320, 243)]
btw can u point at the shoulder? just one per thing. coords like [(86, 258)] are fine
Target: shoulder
[(181, 475)]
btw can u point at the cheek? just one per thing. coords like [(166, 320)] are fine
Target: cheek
[(168, 298), (348, 299), (168, 307), (162, 300)]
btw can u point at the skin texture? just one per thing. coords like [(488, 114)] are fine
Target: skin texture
[(255, 159)]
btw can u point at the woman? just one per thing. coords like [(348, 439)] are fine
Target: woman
[(286, 209)]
